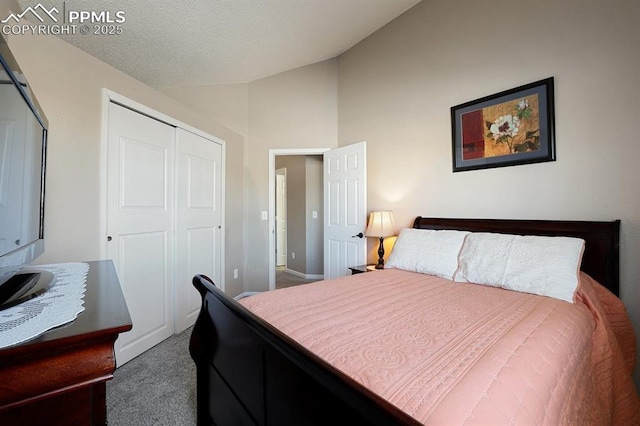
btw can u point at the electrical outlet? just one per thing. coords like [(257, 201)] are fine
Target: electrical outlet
[(293, 254), (235, 274)]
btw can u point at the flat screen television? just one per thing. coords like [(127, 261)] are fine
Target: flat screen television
[(23, 146)]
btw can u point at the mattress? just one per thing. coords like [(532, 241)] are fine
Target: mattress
[(460, 353)]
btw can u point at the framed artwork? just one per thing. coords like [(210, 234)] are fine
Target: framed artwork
[(506, 129)]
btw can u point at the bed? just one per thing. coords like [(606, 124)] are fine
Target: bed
[(406, 347)]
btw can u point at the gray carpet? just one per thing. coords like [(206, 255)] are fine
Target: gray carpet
[(157, 387)]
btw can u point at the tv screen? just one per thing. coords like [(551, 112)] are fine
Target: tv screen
[(23, 140)]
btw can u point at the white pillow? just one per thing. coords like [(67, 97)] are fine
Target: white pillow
[(427, 251), (548, 266)]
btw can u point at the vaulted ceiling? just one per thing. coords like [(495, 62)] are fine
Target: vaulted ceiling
[(167, 43)]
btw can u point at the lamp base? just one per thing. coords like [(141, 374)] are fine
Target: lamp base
[(380, 264)]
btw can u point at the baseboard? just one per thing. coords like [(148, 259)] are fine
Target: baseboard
[(305, 276)]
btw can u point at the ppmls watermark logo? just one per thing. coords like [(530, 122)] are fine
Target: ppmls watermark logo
[(61, 20)]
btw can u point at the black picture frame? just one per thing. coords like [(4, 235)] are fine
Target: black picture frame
[(509, 128)]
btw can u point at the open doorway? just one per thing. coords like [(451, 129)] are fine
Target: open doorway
[(303, 225)]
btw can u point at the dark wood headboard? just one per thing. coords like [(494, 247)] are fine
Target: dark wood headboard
[(601, 258)]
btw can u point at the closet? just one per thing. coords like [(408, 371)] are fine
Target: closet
[(164, 194)]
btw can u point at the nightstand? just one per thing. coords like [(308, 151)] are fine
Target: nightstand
[(362, 268)]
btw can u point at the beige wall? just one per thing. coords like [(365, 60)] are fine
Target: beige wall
[(68, 84), (397, 87), (295, 109), (314, 226), (225, 104)]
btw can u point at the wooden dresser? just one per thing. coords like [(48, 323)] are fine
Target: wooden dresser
[(60, 377)]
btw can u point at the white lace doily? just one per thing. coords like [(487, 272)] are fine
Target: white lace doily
[(59, 305)]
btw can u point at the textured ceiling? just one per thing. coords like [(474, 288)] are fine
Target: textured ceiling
[(167, 43)]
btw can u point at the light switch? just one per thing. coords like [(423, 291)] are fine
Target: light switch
[(314, 214), (265, 215)]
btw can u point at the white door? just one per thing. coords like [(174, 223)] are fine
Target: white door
[(199, 221), (140, 225), (281, 217), (345, 209)]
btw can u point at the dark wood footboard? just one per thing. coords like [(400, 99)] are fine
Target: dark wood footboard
[(249, 373)]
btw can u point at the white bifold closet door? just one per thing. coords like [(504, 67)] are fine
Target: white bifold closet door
[(199, 221), (163, 223)]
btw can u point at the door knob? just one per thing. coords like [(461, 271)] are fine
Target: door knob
[(359, 235)]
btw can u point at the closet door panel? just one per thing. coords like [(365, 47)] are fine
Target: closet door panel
[(141, 225), (199, 220)]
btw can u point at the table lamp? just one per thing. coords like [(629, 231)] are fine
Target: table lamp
[(381, 225)]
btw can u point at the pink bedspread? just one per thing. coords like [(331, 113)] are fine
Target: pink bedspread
[(454, 353)]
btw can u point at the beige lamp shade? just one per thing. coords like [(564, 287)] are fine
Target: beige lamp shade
[(381, 225)]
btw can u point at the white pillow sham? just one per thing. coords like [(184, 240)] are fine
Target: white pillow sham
[(547, 266), (427, 251)]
